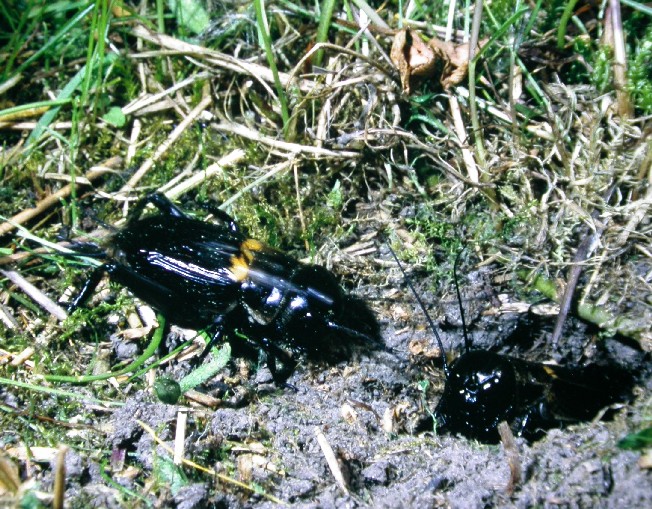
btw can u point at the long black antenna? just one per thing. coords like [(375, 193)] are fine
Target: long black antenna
[(467, 342), (425, 312)]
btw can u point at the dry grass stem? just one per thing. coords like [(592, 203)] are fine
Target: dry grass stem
[(229, 160), (221, 60), (208, 471), (163, 148), (27, 215), (29, 126), (513, 457), (35, 294), (180, 436), (58, 501), (331, 459), (23, 356), (460, 131), (625, 108), (140, 105), (291, 148)]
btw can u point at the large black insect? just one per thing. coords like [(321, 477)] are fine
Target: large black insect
[(484, 389), (211, 276)]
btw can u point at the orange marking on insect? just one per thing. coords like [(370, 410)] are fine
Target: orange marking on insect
[(239, 267), (240, 264), (252, 245), (248, 247)]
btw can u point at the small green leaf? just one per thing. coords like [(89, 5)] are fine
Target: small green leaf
[(637, 441), (170, 475), (190, 14), (335, 198), (115, 117)]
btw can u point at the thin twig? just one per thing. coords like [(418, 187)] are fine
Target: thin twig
[(35, 294), (209, 471), (26, 215), (293, 148), (162, 149), (589, 244), (334, 466)]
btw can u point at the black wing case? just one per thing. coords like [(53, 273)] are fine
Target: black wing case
[(188, 267)]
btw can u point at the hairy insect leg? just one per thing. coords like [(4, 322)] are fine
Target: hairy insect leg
[(272, 352), (165, 206), (86, 249)]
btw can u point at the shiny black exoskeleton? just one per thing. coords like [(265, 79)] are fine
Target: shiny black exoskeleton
[(484, 389), (204, 275)]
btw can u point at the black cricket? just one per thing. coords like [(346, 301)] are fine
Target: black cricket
[(484, 389), (211, 276)]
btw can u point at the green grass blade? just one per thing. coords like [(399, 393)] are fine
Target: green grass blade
[(266, 42), (325, 19)]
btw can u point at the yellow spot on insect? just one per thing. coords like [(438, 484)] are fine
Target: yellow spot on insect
[(239, 267), (240, 264), (252, 245), (248, 247)]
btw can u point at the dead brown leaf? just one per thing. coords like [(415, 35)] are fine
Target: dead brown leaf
[(411, 56), (415, 58)]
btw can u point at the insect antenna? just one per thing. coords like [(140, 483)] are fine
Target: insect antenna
[(467, 342), (95, 218), (350, 332), (431, 324)]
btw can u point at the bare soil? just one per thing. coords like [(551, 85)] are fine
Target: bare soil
[(366, 408)]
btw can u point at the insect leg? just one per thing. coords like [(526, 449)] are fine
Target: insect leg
[(256, 338), (165, 206), (535, 420), (221, 215), (274, 354), (160, 201), (216, 330), (265, 338), (150, 291), (88, 288)]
